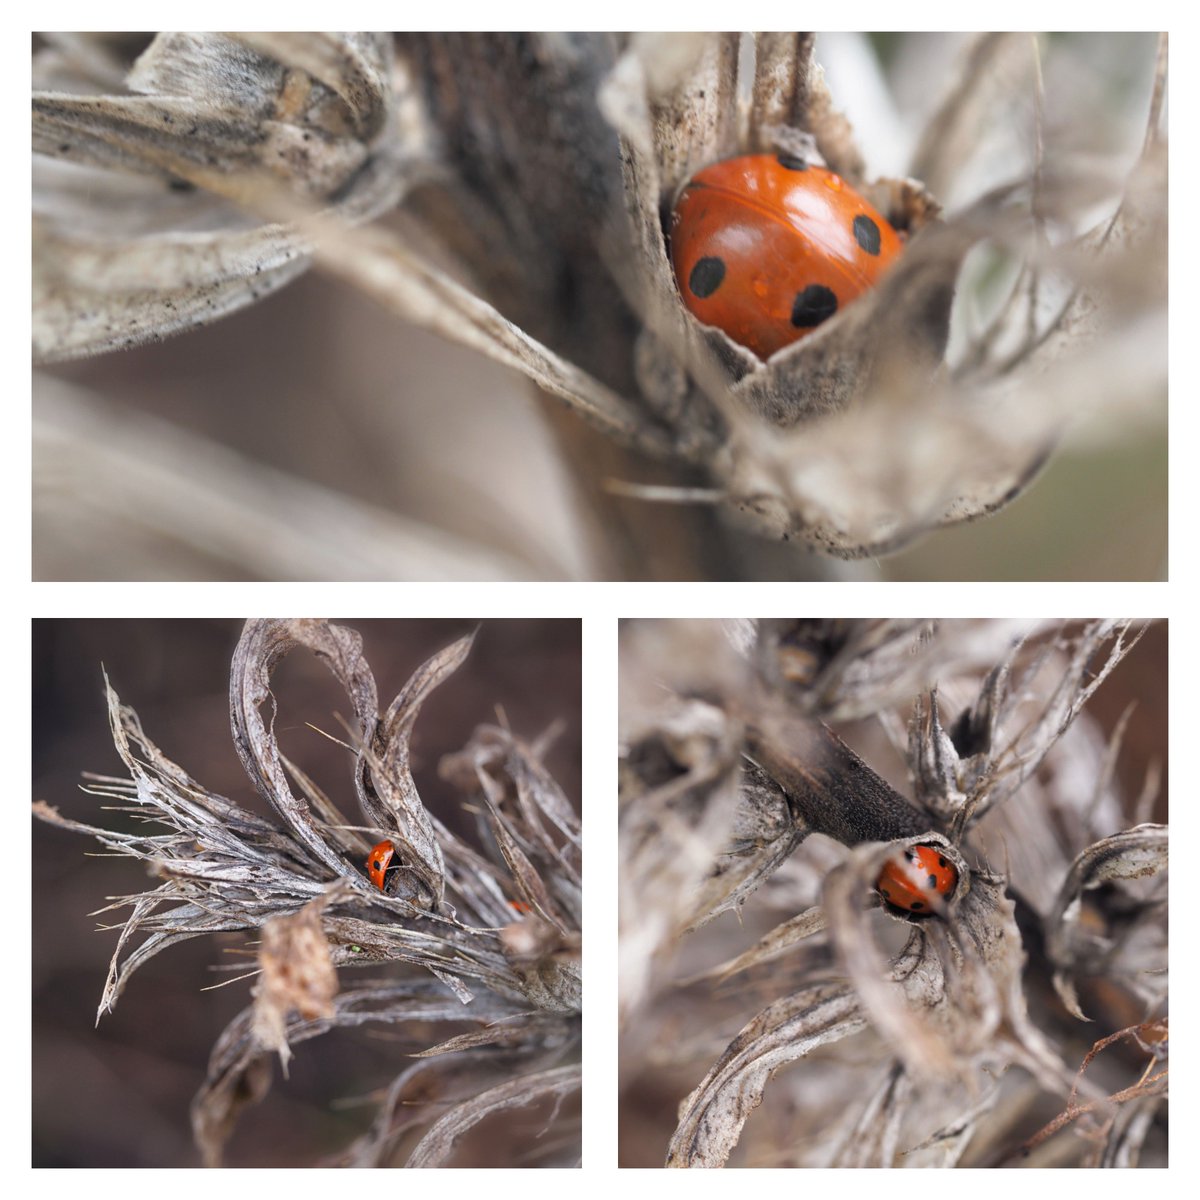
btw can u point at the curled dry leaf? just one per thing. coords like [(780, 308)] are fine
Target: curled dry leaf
[(955, 1016), (1095, 939), (260, 649)]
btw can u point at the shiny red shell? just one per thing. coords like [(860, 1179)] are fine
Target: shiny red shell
[(917, 884), (378, 862), (766, 248)]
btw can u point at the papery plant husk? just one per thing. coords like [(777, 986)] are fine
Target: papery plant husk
[(483, 937), (533, 174), (912, 1039)]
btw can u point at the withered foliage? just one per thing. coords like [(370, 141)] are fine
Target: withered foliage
[(930, 1039), (483, 936), (529, 177)]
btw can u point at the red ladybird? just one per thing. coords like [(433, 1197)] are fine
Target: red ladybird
[(378, 862), (766, 247), (915, 885)]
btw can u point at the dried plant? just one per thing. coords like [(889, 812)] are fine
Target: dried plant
[(933, 1036), (486, 938), (529, 176)]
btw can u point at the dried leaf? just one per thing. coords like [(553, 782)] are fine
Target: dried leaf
[(871, 1140), (208, 109), (262, 645), (1074, 941), (774, 944), (711, 1118), (437, 1145), (296, 974), (385, 784)]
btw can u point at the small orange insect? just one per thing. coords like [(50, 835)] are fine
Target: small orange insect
[(926, 873), (379, 862)]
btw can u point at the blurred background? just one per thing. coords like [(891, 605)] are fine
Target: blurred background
[(119, 1094)]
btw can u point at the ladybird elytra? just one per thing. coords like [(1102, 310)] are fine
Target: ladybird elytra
[(767, 247), (378, 862), (918, 881)]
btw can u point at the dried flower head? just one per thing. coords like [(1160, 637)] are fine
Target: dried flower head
[(934, 1035), (532, 176), (482, 935)]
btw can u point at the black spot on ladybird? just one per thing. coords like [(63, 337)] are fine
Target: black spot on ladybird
[(812, 306), (941, 861), (916, 904), (933, 883), (706, 277), (791, 162), (866, 234)]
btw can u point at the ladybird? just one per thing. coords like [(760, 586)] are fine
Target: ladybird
[(766, 247), (925, 876), (379, 861)]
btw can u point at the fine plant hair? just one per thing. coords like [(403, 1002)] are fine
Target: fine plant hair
[(912, 1039), (527, 179), (484, 936)]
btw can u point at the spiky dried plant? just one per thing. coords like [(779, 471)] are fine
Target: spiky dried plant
[(485, 937), (930, 1039), (530, 176)]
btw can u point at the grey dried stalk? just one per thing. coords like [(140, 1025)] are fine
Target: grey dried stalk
[(539, 165), (512, 978), (727, 771)]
